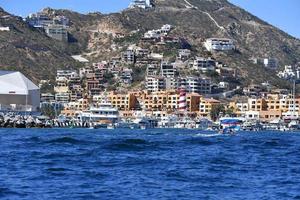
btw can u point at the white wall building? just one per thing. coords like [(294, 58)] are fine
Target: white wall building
[(57, 32), (144, 4), (204, 64), (288, 73), (128, 56), (197, 85), (63, 98), (18, 93), (271, 63), (4, 28), (65, 75), (172, 83), (219, 44), (154, 84)]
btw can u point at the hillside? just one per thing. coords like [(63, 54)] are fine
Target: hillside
[(94, 35), (31, 51)]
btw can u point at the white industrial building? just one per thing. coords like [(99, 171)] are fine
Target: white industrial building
[(18, 93)]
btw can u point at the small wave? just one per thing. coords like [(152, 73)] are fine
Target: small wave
[(7, 192), (66, 140), (207, 135), (130, 145), (177, 175), (222, 161), (271, 143), (95, 174), (135, 141), (199, 141), (57, 169)]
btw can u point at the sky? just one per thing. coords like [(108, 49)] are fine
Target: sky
[(284, 14)]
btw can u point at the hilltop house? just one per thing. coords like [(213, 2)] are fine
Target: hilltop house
[(204, 64), (58, 32), (219, 44), (144, 4)]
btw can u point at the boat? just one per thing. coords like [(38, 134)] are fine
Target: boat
[(145, 122), (167, 121), (110, 126), (101, 116), (229, 125)]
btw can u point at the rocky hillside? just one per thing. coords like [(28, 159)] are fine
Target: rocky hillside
[(95, 34), (31, 51)]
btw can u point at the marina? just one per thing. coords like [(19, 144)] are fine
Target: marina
[(108, 119)]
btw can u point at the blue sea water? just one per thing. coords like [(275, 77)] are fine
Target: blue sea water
[(148, 164)]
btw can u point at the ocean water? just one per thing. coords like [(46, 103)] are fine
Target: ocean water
[(148, 164)]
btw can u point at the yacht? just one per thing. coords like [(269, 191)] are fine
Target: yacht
[(102, 116), (185, 122)]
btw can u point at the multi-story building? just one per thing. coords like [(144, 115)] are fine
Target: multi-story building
[(155, 101), (128, 56), (168, 101), (155, 83), (219, 44), (204, 64), (47, 98), (271, 63), (84, 71), (152, 70), (252, 90), (206, 106), (196, 85), (144, 4), (289, 72), (226, 71), (80, 104), (57, 32), (239, 108), (142, 52), (66, 74), (167, 70), (124, 102), (126, 76), (183, 54), (172, 83), (39, 20), (152, 34), (257, 104), (62, 98), (166, 28)]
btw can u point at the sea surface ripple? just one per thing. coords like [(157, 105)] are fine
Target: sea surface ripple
[(148, 164)]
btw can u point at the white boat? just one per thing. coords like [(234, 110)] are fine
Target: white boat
[(185, 122), (105, 113), (145, 122), (110, 126), (167, 121)]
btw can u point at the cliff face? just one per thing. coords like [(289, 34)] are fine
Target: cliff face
[(95, 35)]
